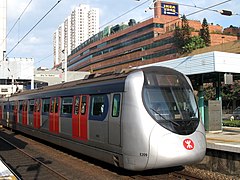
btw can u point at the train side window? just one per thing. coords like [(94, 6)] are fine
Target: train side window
[(45, 105), (37, 105), (25, 105), (11, 108), (83, 105), (76, 105), (31, 105), (66, 105), (16, 106), (116, 105), (54, 105), (20, 106), (5, 107), (99, 107)]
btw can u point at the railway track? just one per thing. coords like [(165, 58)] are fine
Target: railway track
[(177, 173), (46, 161), (31, 159), (24, 165)]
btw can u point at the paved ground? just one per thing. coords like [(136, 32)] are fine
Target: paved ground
[(226, 140)]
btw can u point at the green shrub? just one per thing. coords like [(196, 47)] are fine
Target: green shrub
[(233, 123)]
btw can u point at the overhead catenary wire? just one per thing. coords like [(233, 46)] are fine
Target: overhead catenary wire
[(202, 9), (33, 27), (18, 19), (208, 8), (130, 10)]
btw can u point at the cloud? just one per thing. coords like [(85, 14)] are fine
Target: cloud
[(34, 40)]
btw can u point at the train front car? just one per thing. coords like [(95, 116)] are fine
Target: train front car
[(160, 120)]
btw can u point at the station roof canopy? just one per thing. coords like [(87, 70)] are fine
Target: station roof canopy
[(205, 63)]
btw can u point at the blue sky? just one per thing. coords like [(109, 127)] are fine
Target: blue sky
[(38, 43)]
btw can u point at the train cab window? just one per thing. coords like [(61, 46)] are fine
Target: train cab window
[(66, 105), (45, 105), (169, 99), (99, 107), (31, 105), (116, 105)]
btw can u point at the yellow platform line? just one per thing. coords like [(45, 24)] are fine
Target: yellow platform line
[(224, 140)]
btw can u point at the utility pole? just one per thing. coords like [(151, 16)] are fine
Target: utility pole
[(64, 65)]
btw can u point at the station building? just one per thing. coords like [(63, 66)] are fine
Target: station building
[(14, 74), (18, 74)]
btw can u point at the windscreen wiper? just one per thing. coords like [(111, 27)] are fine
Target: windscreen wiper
[(175, 123)]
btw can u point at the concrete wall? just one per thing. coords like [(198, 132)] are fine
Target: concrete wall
[(221, 161)]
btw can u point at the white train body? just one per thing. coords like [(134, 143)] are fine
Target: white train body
[(143, 119)]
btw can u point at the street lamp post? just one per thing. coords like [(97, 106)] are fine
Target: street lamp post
[(12, 80)]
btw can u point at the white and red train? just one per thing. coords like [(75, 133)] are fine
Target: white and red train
[(142, 119)]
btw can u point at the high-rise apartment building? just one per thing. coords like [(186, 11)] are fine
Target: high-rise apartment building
[(82, 24), (3, 28)]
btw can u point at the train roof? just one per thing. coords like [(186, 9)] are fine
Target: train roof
[(89, 79)]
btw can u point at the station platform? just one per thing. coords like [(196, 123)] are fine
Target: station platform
[(226, 140), (5, 172)]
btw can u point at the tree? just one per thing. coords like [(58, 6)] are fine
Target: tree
[(195, 42), (230, 92), (184, 42), (182, 35), (186, 31), (204, 32), (178, 35)]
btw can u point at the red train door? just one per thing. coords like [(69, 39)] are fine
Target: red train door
[(80, 117), (54, 115), (37, 113), (15, 112), (24, 112)]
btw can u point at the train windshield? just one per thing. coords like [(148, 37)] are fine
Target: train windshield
[(169, 99)]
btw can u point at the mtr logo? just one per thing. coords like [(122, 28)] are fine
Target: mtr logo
[(188, 144)]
